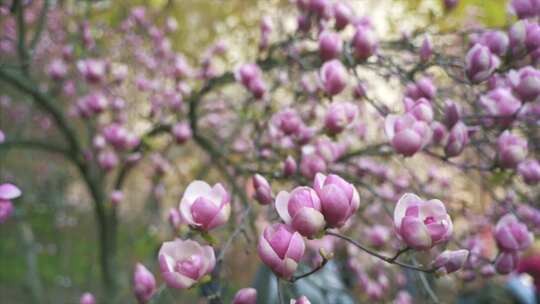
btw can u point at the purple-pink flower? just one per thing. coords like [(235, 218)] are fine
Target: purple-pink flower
[(144, 283), (480, 63), (451, 260), (333, 77), (183, 263), (330, 45), (422, 224), (87, 298), (339, 199), (512, 149), (512, 235), (506, 262), (245, 296), (263, 191), (364, 42), (301, 209), (530, 171), (407, 134), (281, 248), (204, 207)]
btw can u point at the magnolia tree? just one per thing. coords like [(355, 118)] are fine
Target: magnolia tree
[(334, 148)]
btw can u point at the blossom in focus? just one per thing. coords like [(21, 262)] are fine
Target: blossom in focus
[(421, 224), (281, 249), (301, 209), (205, 207), (185, 262), (339, 198)]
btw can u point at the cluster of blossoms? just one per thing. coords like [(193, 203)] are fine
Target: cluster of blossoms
[(313, 120)]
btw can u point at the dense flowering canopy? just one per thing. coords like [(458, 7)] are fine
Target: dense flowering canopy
[(319, 148)]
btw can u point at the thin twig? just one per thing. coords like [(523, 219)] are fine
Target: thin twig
[(307, 274), (389, 260)]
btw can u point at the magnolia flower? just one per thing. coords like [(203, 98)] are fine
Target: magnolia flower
[(338, 116), (512, 149), (333, 76), (407, 134), (7, 193), (245, 296), (184, 263), (451, 260), (87, 298), (364, 42), (525, 83), (263, 191), (506, 262), (281, 249), (480, 63), (339, 198), (512, 235), (421, 224), (501, 102), (330, 45), (301, 209), (530, 171), (204, 207), (144, 283)]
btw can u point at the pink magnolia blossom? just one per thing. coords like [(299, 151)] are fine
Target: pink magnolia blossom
[(302, 210), (281, 249), (422, 224), (205, 207), (183, 263)]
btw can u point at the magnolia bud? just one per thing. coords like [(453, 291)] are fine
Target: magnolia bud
[(526, 83), (426, 50), (289, 166), (512, 235), (333, 76), (144, 283), (263, 191), (480, 63), (330, 45), (364, 42), (339, 198), (524, 8), (452, 113), (451, 260), (281, 249), (457, 140), (496, 41), (506, 262), (450, 4), (245, 296), (58, 69), (182, 132), (530, 171), (87, 298), (116, 197), (512, 149), (343, 15)]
